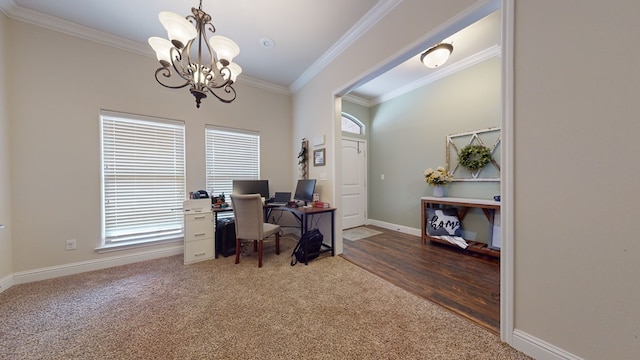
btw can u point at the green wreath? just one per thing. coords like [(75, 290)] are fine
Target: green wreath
[(474, 157)]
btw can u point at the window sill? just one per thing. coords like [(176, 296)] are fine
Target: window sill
[(126, 245)]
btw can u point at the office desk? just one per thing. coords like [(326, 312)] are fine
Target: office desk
[(217, 211), (302, 214)]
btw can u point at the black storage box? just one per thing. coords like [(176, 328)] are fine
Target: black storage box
[(226, 237)]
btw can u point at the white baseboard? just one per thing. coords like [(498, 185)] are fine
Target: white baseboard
[(6, 282), (395, 227), (539, 349), (84, 266)]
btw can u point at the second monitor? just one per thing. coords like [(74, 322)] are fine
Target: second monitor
[(243, 187), (304, 190)]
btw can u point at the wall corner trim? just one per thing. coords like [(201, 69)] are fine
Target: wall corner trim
[(6, 282)]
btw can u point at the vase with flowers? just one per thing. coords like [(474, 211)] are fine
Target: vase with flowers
[(438, 178)]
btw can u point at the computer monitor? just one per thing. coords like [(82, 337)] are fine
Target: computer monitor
[(305, 189), (242, 187)]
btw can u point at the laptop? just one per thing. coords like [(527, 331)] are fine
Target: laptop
[(281, 198)]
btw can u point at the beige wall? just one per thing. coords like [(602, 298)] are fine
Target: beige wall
[(576, 254), (6, 262), (55, 101), (576, 134)]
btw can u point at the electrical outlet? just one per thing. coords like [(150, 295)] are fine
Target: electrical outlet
[(70, 244)]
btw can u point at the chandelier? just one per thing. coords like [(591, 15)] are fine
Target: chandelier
[(188, 59)]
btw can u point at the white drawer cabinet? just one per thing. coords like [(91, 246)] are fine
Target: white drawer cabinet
[(198, 250), (199, 230), (198, 226)]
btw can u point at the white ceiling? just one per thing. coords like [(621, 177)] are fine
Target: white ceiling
[(307, 33)]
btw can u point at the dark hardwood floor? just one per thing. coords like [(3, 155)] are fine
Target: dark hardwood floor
[(465, 283)]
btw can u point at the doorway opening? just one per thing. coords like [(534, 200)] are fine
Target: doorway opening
[(505, 121)]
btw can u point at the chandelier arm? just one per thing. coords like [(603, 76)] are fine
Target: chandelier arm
[(227, 89), (178, 63), (212, 29), (211, 72), (204, 71), (176, 59), (187, 49), (224, 70), (166, 72)]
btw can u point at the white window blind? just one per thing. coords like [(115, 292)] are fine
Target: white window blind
[(231, 154), (143, 176)]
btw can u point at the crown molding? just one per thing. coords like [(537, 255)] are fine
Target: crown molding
[(357, 100), (6, 6), (265, 85), (56, 24), (372, 17), (442, 72)]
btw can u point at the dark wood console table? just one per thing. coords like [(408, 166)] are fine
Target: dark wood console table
[(462, 205)]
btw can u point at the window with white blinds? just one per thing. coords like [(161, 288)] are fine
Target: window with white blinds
[(143, 178), (231, 154)]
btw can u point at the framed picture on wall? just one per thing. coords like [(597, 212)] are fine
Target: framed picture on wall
[(318, 157)]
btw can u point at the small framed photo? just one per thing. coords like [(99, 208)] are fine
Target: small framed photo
[(318, 157)]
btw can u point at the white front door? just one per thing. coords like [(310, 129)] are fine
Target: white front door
[(354, 191)]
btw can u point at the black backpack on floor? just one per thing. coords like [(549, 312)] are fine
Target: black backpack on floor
[(308, 247)]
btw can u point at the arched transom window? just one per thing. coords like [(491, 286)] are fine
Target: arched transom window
[(352, 125)]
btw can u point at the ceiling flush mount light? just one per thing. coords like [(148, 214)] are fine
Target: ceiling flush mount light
[(188, 59), (437, 55)]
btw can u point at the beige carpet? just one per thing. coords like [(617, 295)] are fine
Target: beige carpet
[(359, 233), (161, 309)]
